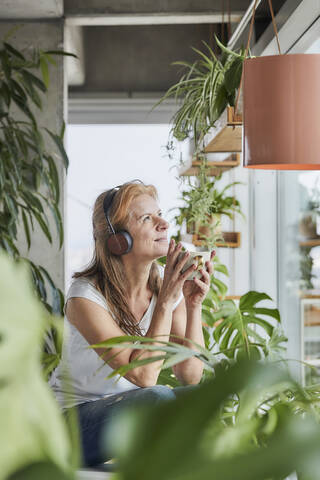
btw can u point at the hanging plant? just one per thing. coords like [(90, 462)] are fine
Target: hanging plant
[(206, 88)]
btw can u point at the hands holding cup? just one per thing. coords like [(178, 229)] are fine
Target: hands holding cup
[(197, 284), (189, 271)]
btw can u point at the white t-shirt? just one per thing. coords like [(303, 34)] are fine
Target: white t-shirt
[(81, 375)]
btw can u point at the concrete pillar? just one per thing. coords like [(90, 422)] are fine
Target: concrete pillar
[(46, 35)]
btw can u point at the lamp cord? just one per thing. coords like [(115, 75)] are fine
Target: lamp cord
[(248, 45)]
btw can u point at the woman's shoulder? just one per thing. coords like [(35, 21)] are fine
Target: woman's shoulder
[(84, 287)]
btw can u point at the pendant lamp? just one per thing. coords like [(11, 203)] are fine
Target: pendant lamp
[(281, 104)]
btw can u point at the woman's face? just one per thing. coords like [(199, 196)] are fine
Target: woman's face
[(147, 228)]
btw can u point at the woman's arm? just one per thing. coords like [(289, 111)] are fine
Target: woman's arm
[(186, 323), (97, 325)]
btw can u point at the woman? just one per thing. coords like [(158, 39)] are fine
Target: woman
[(120, 294)]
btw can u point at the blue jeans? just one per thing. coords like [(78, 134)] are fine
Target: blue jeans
[(96, 416)]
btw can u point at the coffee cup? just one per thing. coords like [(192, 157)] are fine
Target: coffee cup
[(197, 258)]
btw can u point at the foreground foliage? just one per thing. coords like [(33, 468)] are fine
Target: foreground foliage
[(33, 434)]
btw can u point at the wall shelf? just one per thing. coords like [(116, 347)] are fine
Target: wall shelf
[(214, 167), (227, 133), (312, 242), (231, 240)]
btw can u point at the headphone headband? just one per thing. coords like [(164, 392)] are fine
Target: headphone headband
[(119, 242), (107, 202)]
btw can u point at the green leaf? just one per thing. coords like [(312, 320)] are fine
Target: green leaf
[(44, 71), (43, 225), (26, 228), (13, 51), (5, 92), (60, 146), (251, 298), (54, 176), (37, 82), (60, 52), (41, 470)]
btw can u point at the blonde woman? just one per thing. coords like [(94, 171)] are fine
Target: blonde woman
[(125, 291)]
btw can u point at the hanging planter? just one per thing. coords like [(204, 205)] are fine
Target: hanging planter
[(281, 105), (281, 129)]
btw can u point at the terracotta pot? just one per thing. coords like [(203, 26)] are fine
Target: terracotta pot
[(281, 104), (215, 224), (308, 224), (195, 228)]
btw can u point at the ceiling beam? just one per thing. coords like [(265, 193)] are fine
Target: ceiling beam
[(154, 19)]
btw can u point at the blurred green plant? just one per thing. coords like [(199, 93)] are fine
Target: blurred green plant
[(242, 424), (35, 443)]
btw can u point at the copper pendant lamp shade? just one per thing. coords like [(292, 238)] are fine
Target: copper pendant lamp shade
[(281, 105)]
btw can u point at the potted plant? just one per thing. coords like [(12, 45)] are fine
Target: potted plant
[(204, 204), (206, 88)]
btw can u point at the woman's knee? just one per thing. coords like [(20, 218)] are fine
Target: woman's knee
[(158, 393)]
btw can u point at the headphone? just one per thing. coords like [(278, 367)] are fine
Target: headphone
[(118, 243)]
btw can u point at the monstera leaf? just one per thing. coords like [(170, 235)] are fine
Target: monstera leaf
[(246, 329), (32, 429)]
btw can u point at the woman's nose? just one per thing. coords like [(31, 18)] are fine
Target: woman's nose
[(163, 224)]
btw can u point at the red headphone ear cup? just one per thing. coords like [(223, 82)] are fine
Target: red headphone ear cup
[(120, 243)]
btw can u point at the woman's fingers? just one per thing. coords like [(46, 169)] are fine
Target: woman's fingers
[(202, 285), (183, 276), (205, 276), (212, 254), (173, 252), (209, 267)]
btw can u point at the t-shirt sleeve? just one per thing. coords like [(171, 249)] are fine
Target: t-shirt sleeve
[(84, 289), (161, 271)]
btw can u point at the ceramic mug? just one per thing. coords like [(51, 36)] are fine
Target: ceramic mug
[(199, 259)]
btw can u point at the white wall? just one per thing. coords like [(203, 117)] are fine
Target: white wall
[(104, 156)]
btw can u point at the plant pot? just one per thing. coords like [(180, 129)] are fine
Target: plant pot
[(214, 222), (214, 227), (281, 112), (308, 224)]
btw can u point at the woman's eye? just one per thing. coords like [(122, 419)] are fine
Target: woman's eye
[(146, 218)]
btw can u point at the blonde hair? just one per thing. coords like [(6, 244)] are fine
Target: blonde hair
[(107, 269)]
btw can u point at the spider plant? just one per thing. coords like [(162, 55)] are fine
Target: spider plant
[(204, 91)]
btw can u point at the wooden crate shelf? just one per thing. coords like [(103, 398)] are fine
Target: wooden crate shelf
[(214, 167), (227, 134), (231, 240), (312, 242)]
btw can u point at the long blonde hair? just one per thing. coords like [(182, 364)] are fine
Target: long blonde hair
[(106, 269)]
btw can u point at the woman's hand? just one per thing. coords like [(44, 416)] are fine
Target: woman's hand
[(173, 279), (195, 290)]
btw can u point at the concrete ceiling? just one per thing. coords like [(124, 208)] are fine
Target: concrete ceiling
[(30, 9), (129, 45)]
